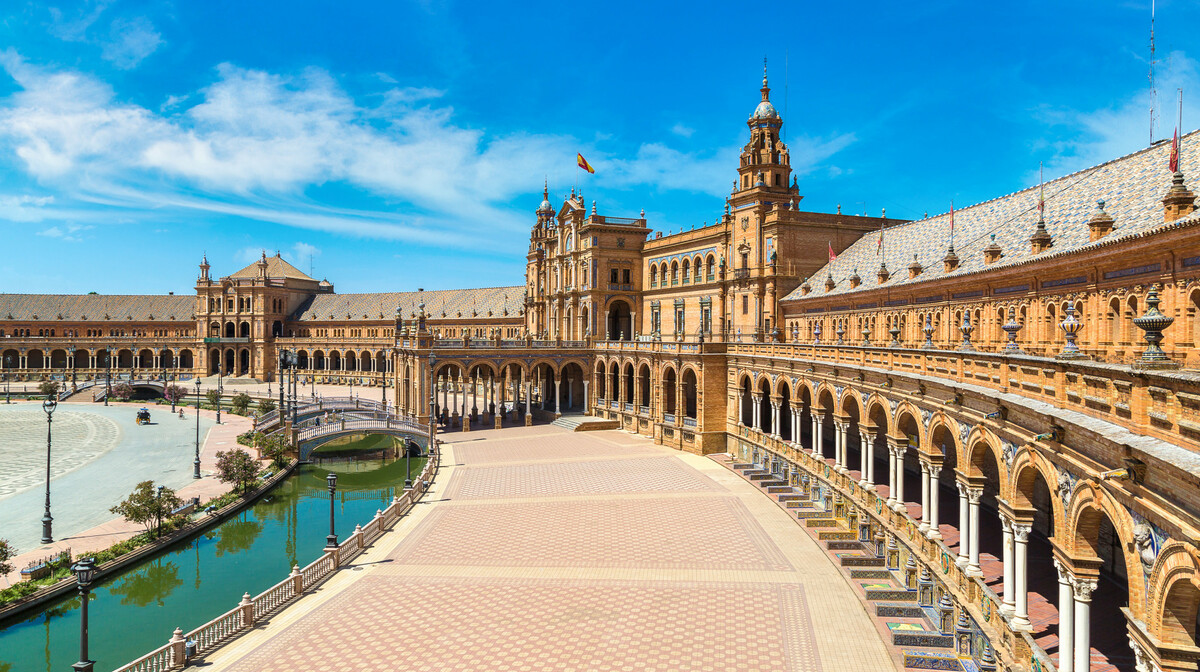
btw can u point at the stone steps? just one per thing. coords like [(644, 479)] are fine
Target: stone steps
[(838, 545), (936, 660), (791, 497), (778, 489), (929, 639), (870, 574), (891, 595), (899, 610), (826, 535), (796, 503), (820, 522), (761, 476), (860, 561)]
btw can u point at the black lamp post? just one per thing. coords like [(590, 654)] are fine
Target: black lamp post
[(47, 521), (331, 540), (220, 388), (158, 509), (7, 373), (85, 571), (283, 359), (432, 402), (196, 462)]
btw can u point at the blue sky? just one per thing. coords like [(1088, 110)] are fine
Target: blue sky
[(400, 145)]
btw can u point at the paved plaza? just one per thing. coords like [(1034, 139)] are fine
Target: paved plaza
[(542, 549), (99, 455)]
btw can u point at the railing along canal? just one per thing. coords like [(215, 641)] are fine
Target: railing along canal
[(176, 652)]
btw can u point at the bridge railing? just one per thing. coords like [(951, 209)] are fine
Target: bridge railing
[(316, 431), (243, 616)]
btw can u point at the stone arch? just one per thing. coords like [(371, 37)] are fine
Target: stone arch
[(907, 418), (668, 388), (851, 400), (982, 444), (1028, 465), (644, 378), (1089, 505), (1173, 594), (746, 397), (941, 421)]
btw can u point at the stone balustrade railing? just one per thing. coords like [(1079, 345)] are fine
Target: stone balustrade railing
[(895, 535), (1163, 404), (174, 654)]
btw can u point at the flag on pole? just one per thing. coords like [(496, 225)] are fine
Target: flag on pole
[(879, 247), (584, 164), (832, 256), (1174, 164)]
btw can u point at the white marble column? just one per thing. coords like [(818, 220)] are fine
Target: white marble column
[(935, 531), (924, 526), (1083, 622), (558, 396), (820, 438), (1066, 620), (795, 426), (973, 497), (1008, 604), (964, 526), (867, 442), (1021, 560), (741, 408), (587, 401), (900, 449), (775, 418), (755, 410), (815, 421)]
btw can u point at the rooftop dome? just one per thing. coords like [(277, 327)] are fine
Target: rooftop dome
[(545, 208), (765, 110)]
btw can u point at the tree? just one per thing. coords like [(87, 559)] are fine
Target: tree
[(146, 506), (274, 446), (6, 554), (174, 393), (122, 391), (265, 406), (48, 388), (213, 398), (240, 402), (238, 467)]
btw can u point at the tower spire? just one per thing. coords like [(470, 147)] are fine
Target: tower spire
[(766, 90)]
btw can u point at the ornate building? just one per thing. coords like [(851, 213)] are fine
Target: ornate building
[(1004, 421)]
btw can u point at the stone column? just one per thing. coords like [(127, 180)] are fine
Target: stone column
[(741, 407), (866, 478), (558, 395), (795, 425), (839, 446), (756, 403), (964, 526), (1021, 557), (1008, 605), (923, 528), (935, 531), (528, 411), (445, 381), (819, 440), (816, 433), (474, 395), (900, 449), (587, 401), (1083, 623), (891, 448), (775, 418), (570, 394), (1066, 620), (973, 497)]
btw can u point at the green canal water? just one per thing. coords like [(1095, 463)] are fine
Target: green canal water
[(135, 611)]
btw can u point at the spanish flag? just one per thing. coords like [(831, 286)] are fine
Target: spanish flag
[(832, 256), (1173, 162), (584, 164)]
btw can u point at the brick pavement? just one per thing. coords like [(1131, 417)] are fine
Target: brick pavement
[(624, 556)]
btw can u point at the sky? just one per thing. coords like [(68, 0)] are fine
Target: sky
[(393, 145)]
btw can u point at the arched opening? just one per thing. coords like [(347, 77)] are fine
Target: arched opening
[(186, 359), (627, 383), (214, 329), (145, 359), (1179, 613), (124, 359), (669, 392), (572, 383), (825, 409), (319, 361), (877, 415), (277, 328), (689, 393), (229, 364), (244, 330), (1095, 535), (58, 359), (244, 363), (614, 380), (944, 488), (35, 360), (335, 360), (351, 361), (230, 330), (806, 416), (747, 414), (1033, 505), (81, 359), (302, 359), (166, 359), (909, 465), (854, 448), (214, 362), (764, 405), (620, 327), (644, 379), (786, 428)]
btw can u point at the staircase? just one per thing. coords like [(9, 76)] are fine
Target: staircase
[(902, 603), (577, 422)]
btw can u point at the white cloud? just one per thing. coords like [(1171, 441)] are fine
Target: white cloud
[(253, 144), (1123, 127), (129, 42), (304, 251), (681, 130), (65, 233)]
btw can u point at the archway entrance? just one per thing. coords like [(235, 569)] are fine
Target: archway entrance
[(620, 323)]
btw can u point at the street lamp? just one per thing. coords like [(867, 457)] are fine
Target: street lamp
[(158, 509), (107, 375), (196, 462), (47, 521), (220, 387), (432, 402), (7, 373), (283, 360), (85, 571), (331, 540)]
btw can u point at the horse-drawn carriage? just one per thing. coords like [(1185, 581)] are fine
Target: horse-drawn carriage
[(143, 416)]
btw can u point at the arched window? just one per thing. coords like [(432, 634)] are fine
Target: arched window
[(653, 279), (687, 265)]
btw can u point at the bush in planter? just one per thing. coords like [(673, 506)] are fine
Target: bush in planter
[(122, 391), (48, 388), (239, 403), (174, 393), (6, 554), (213, 398), (265, 406)]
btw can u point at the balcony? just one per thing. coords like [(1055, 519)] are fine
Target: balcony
[(741, 273)]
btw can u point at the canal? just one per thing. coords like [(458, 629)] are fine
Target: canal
[(134, 611)]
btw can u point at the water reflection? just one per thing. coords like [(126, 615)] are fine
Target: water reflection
[(134, 611)]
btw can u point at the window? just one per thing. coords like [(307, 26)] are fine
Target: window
[(745, 260), (745, 304), (612, 276), (625, 275)]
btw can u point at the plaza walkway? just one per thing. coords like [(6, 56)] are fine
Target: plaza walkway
[(541, 549)]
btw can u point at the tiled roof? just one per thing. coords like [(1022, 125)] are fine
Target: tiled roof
[(276, 268), (1132, 188), (96, 307), (447, 303)]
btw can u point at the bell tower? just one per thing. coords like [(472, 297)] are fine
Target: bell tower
[(765, 163)]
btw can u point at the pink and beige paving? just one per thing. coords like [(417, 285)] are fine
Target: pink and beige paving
[(541, 549)]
